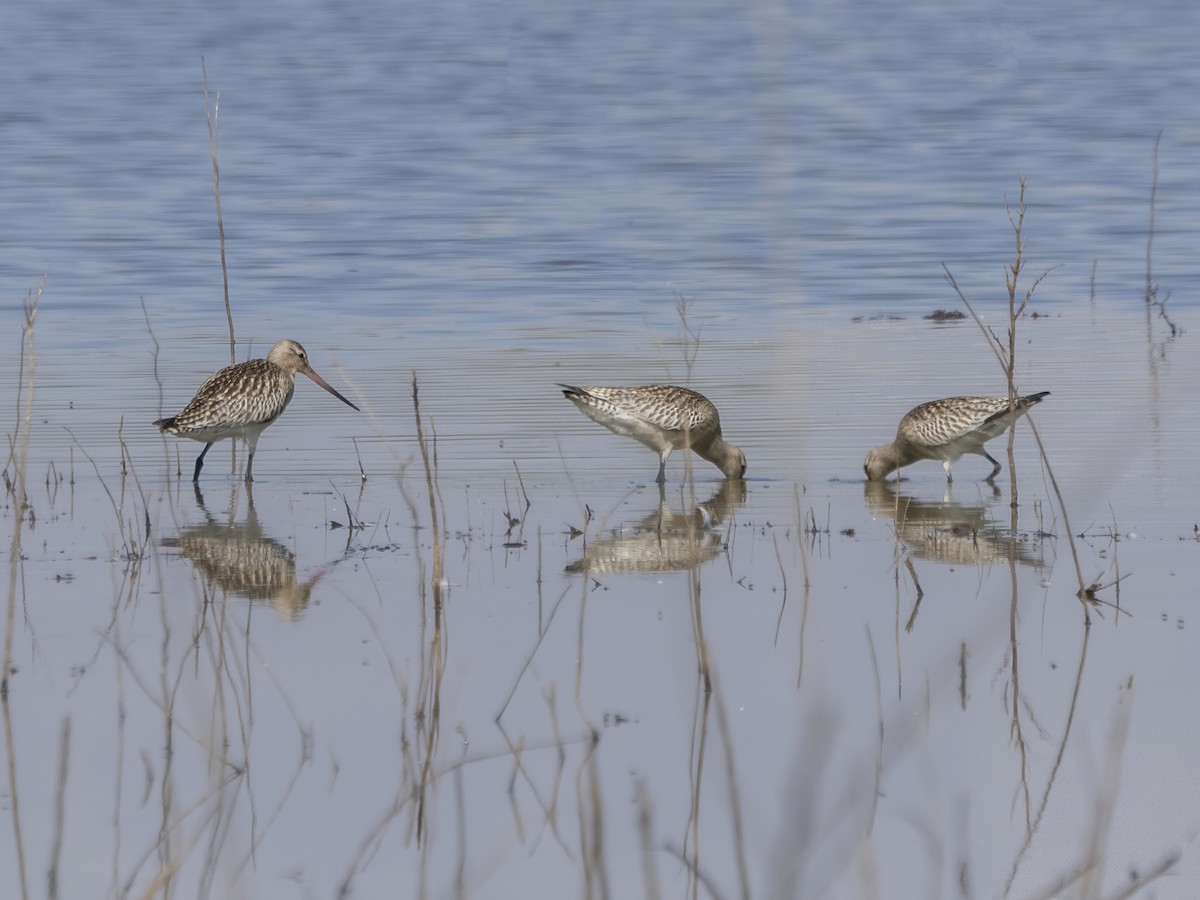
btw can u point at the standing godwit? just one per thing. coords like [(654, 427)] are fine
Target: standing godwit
[(664, 418), (945, 430), (241, 401)]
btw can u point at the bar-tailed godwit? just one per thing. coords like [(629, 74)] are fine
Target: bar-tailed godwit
[(664, 418), (241, 401), (945, 430)]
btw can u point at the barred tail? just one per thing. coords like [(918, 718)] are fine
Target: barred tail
[(1034, 398), (166, 425)]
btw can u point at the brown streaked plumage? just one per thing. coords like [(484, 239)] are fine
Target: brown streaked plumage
[(664, 540), (241, 401), (945, 430), (243, 560), (664, 418)]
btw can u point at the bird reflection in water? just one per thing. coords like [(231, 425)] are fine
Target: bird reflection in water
[(950, 532), (241, 560), (664, 540)]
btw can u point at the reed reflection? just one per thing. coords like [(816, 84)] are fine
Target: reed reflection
[(665, 540), (948, 531), (240, 559)]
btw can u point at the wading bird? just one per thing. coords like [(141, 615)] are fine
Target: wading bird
[(241, 401), (664, 418), (945, 430)]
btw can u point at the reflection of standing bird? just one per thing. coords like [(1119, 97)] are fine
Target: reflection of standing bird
[(945, 430), (241, 401), (950, 532), (664, 540), (664, 418), (245, 562)]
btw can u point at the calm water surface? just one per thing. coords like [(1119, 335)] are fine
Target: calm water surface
[(232, 693)]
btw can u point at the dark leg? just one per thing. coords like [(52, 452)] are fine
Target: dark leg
[(200, 463), (996, 466), (251, 445), (662, 466)]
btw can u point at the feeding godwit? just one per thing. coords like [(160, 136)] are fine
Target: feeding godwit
[(241, 401), (945, 430), (664, 418)]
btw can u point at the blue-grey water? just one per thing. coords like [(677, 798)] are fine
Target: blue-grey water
[(224, 695)]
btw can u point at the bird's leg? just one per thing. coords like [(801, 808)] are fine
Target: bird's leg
[(252, 444), (662, 466), (946, 465), (995, 465), (200, 462)]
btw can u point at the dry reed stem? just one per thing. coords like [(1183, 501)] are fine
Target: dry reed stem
[(735, 804), (1151, 290), (1007, 359), (432, 665), (20, 459), (589, 798), (1151, 295), (1066, 517), (695, 872), (60, 805), (211, 111), (696, 757), (542, 632), (807, 585), (524, 493), (130, 551), (645, 821)]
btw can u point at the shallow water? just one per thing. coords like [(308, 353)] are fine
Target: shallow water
[(274, 702), (571, 683)]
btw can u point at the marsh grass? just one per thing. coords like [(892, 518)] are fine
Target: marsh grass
[(433, 662), (807, 592), (133, 530), (1155, 301), (1085, 878), (212, 108), (17, 463), (1006, 355)]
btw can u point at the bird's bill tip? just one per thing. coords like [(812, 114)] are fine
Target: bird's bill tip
[(325, 384)]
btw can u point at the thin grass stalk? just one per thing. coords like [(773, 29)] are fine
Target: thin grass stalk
[(696, 756), (211, 111), (432, 672), (591, 827), (26, 380), (60, 805), (1006, 358), (807, 589), (1034, 826), (1151, 291), (1066, 518), (735, 804), (1011, 275), (645, 820)]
